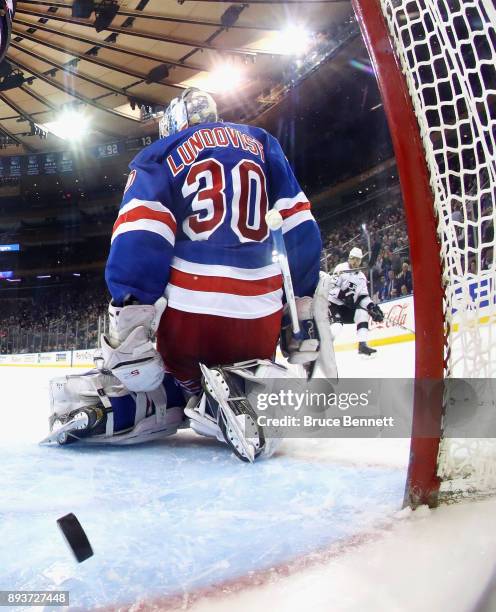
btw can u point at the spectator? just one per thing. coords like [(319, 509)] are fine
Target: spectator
[(381, 294), (405, 278), (53, 320), (487, 259), (396, 262), (386, 260), (391, 285)]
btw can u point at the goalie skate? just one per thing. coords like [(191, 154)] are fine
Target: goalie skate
[(76, 425), (235, 417)]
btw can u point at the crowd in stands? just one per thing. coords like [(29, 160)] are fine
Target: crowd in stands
[(53, 318), (71, 316), (474, 228), (388, 263)]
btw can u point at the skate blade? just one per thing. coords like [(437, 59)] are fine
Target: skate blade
[(228, 414), (54, 435)]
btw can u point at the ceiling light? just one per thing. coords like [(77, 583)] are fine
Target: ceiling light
[(293, 40), (224, 78), (71, 125)]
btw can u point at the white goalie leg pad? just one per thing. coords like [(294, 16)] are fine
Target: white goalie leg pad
[(73, 396), (260, 376), (325, 364), (266, 379), (222, 411), (163, 423), (77, 391)]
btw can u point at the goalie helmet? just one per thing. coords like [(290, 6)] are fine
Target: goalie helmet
[(194, 106)]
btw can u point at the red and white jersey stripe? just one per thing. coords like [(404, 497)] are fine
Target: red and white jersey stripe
[(148, 216), (226, 291), (294, 211)]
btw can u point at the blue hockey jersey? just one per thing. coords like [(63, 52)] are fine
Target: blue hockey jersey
[(192, 224)]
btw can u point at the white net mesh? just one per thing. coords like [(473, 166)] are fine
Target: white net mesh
[(447, 49)]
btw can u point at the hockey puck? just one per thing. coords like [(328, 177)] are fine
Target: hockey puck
[(75, 536)]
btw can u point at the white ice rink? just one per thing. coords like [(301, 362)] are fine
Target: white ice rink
[(182, 524)]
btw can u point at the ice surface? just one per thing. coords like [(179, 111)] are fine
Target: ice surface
[(173, 516), (172, 521)]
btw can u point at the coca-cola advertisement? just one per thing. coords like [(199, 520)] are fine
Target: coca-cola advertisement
[(397, 314)]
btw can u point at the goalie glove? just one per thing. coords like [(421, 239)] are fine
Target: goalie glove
[(315, 347), (128, 351), (375, 313)]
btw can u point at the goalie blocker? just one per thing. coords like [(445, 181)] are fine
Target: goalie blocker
[(314, 348)]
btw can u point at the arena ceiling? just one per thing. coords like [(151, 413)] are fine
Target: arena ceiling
[(127, 58)]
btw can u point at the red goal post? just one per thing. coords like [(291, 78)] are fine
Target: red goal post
[(435, 62)]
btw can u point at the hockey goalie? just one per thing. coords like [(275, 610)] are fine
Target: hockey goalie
[(197, 298)]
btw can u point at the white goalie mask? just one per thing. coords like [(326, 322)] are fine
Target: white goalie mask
[(191, 108)]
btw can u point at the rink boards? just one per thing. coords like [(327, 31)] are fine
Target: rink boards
[(397, 327)]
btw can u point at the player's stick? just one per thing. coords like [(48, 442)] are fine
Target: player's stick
[(274, 221), (349, 271), (394, 323)]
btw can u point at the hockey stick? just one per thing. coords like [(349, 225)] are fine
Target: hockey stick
[(394, 323), (274, 221), (349, 271)]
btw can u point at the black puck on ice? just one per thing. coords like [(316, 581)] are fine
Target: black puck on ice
[(75, 536)]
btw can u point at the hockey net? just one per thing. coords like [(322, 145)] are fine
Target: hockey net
[(446, 52)]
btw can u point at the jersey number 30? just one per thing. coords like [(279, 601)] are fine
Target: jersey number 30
[(206, 179)]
